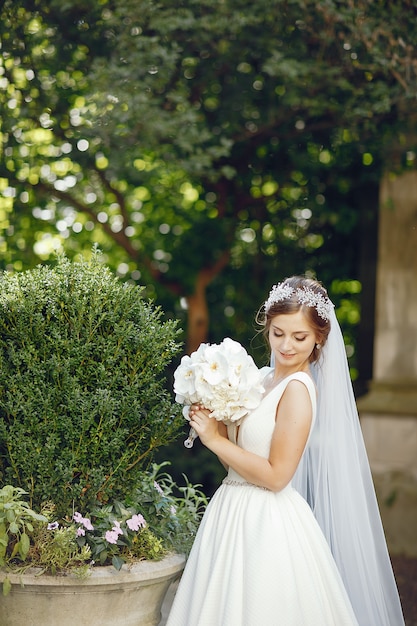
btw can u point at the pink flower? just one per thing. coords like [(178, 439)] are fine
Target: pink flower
[(116, 528), (87, 523), (111, 536), (136, 522), (80, 532)]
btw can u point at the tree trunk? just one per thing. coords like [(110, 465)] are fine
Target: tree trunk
[(198, 318), (198, 312)]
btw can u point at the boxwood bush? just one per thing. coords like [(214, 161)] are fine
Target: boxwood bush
[(83, 396)]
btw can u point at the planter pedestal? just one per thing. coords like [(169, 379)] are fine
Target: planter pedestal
[(131, 597)]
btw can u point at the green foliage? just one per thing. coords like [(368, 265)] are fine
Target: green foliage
[(233, 110), (83, 404), (166, 517), (16, 524), (17, 521), (113, 533), (109, 538), (173, 512), (208, 146), (55, 550)]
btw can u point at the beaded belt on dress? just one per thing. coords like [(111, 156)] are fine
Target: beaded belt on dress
[(242, 483)]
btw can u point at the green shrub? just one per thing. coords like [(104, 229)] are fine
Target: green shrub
[(83, 398)]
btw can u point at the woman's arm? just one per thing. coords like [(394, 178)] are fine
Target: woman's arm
[(292, 426)]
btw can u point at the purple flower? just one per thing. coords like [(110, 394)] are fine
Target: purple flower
[(80, 532), (158, 488), (136, 522), (53, 526)]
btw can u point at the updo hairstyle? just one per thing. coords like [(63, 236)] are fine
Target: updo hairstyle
[(291, 304)]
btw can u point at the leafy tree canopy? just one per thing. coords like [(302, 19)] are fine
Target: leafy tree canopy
[(220, 144)]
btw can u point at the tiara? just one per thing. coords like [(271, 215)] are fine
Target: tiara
[(304, 295)]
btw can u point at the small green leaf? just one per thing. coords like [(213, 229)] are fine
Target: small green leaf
[(10, 515), (103, 557), (7, 586), (15, 550), (117, 562), (24, 545)]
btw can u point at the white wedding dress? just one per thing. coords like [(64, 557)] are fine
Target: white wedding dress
[(259, 557)]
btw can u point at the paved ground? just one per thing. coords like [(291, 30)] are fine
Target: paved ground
[(405, 572)]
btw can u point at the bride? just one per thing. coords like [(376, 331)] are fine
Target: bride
[(293, 536)]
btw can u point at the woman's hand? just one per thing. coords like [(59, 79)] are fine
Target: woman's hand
[(205, 426)]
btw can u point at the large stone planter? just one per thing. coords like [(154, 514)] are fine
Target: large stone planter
[(131, 597)]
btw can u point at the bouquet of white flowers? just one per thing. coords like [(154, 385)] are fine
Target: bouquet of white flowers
[(221, 377)]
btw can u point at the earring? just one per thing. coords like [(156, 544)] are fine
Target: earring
[(318, 346)]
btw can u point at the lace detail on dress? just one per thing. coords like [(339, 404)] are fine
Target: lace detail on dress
[(242, 483)]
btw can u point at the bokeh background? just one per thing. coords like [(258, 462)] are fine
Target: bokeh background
[(210, 148)]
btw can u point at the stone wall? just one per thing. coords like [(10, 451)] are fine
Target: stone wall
[(389, 411)]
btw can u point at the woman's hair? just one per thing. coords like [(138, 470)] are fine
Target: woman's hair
[(299, 293)]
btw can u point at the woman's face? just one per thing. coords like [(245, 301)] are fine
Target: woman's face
[(292, 340)]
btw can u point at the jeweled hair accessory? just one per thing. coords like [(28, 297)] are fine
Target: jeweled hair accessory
[(304, 295)]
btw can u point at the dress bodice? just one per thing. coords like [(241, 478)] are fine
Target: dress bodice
[(255, 432)]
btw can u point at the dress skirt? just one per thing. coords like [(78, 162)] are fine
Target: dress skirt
[(260, 559)]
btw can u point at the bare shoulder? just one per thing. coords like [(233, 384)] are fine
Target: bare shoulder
[(295, 400), (297, 386)]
